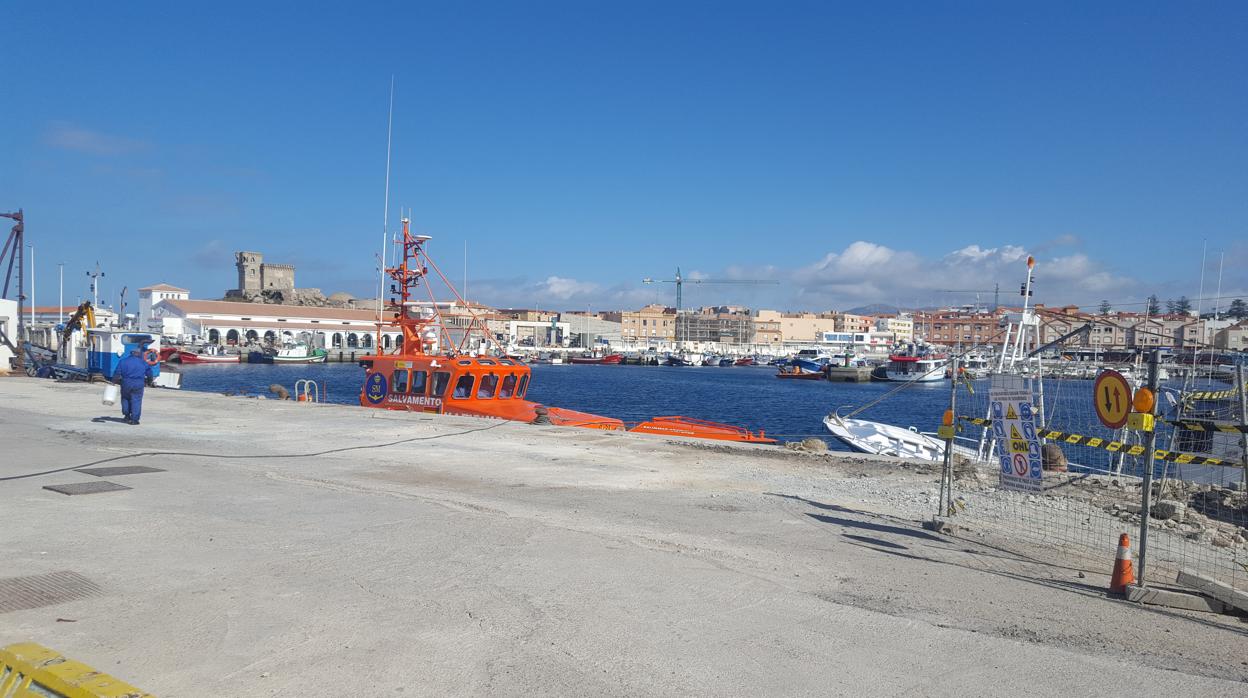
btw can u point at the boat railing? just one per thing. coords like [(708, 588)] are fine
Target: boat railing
[(308, 390)]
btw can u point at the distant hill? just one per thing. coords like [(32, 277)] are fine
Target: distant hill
[(873, 309)]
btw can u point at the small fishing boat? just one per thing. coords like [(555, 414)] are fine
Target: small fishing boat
[(744, 361), (683, 359), (300, 354), (884, 439), (547, 359), (430, 372), (605, 360), (208, 354), (796, 373), (809, 361)]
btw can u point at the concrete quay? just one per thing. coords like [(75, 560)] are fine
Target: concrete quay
[(322, 550)]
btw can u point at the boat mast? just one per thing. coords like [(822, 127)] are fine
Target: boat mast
[(385, 222)]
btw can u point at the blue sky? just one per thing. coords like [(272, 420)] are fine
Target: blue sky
[(857, 153)]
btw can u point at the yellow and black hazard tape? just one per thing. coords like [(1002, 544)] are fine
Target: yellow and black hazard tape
[(1128, 449), (1113, 446), (1205, 425), (1210, 395)]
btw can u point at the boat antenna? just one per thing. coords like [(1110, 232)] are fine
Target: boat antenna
[(385, 220)]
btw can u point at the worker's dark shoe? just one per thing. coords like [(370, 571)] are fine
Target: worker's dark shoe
[(132, 421)]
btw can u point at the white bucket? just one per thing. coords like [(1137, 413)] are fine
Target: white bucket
[(112, 393)]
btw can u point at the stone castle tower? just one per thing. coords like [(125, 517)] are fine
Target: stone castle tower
[(254, 276)]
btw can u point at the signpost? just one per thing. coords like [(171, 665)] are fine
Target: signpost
[(1112, 396), (1014, 425)]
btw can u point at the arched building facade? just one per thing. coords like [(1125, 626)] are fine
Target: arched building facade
[(235, 324)]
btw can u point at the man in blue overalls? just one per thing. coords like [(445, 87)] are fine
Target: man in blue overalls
[(132, 374)]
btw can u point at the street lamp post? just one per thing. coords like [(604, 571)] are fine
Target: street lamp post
[(60, 297)]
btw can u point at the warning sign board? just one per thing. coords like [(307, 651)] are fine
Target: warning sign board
[(1112, 395), (1014, 426)]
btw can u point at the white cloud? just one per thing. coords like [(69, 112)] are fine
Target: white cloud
[(67, 136), (561, 288), (867, 272)]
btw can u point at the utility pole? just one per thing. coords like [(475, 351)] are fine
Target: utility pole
[(60, 298), (31, 245)]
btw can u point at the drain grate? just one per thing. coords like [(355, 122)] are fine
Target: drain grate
[(111, 470), (86, 487), (39, 590)]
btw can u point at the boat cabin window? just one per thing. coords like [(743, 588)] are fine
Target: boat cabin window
[(463, 387), (419, 380), (440, 380), (400, 380), (506, 362), (509, 387), (524, 385), (485, 362), (464, 362), (488, 383)]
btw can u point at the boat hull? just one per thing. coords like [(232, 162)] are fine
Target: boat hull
[(880, 439), (300, 360), (190, 357), (608, 360)]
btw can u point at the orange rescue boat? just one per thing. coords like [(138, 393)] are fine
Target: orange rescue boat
[(429, 372)]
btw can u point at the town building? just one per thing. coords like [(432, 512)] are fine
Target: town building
[(767, 331), (528, 315), (796, 328), (717, 324), (653, 324), (591, 329), (900, 326), (848, 322), (961, 327), (149, 296), (1232, 338)]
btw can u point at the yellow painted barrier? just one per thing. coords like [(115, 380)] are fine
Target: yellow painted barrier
[(28, 670)]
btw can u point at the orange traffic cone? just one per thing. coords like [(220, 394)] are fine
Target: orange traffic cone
[(1124, 572)]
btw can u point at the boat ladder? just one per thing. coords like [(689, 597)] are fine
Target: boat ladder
[(308, 390)]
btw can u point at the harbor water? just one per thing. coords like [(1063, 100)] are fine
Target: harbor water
[(751, 397)]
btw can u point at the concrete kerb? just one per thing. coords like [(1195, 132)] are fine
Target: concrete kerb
[(1170, 598), (1225, 593)]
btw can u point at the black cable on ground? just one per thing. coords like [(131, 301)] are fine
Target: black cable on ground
[(240, 457)]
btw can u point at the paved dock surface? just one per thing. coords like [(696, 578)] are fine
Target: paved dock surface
[(289, 549)]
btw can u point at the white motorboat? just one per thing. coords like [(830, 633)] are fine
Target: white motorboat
[(882, 439), (915, 369)]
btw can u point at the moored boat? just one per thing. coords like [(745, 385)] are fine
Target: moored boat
[(300, 354), (915, 368), (209, 354), (605, 360), (429, 373)]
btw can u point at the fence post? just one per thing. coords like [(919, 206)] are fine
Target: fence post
[(1243, 420), (946, 476), (1146, 491)]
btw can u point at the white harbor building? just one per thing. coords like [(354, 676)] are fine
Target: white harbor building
[(232, 323)]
